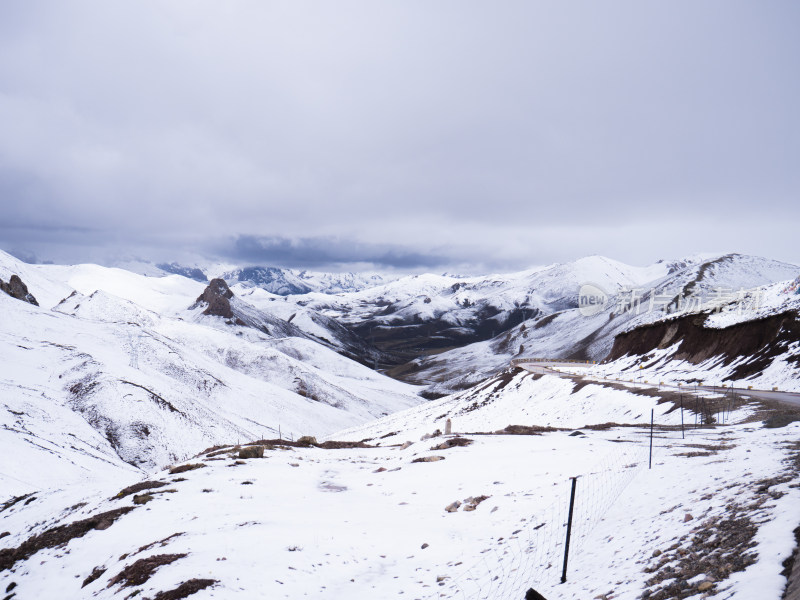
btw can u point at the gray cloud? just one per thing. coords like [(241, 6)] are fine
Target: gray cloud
[(491, 136), (312, 253)]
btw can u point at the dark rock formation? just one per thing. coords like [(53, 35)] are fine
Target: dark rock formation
[(217, 296), (757, 343), (17, 289)]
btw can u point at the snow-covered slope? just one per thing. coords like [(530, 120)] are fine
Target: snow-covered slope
[(475, 516), (149, 387)]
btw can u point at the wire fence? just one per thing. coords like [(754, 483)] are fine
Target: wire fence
[(533, 556)]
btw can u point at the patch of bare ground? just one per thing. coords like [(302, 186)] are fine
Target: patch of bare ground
[(527, 430), (452, 443), (703, 450), (184, 468), (96, 573), (140, 571), (721, 544), (139, 487), (58, 536), (160, 543), (187, 588)]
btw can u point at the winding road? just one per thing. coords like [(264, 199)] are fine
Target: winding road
[(549, 367)]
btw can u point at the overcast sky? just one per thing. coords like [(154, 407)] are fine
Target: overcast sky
[(417, 135)]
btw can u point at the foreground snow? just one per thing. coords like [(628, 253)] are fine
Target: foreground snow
[(370, 523)]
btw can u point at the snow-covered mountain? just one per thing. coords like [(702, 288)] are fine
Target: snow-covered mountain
[(450, 333), (284, 282), (150, 380)]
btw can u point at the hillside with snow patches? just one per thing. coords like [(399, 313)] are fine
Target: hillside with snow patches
[(152, 446), (154, 381)]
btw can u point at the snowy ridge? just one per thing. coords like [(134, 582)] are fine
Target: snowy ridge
[(155, 382)]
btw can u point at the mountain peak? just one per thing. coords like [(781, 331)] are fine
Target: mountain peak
[(217, 296)]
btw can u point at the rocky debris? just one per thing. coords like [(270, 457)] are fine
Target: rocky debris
[(405, 445), (140, 571), (422, 459), (472, 502), (719, 546), (17, 289), (184, 468), (217, 297), (187, 588), (58, 536), (453, 506), (452, 443), (252, 452), (142, 498), (428, 436)]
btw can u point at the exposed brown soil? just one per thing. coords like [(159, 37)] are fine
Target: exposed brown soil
[(187, 588), (140, 571), (329, 445), (139, 487), (15, 500), (184, 468), (452, 443), (96, 573), (527, 430), (58, 536), (758, 342)]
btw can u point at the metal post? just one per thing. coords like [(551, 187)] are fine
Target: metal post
[(683, 435), (652, 411), (569, 529)]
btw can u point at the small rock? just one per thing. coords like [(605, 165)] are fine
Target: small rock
[(307, 440), (706, 585), (687, 518), (656, 552), (252, 452), (142, 498), (453, 506), (425, 545), (428, 459), (379, 470), (405, 445)]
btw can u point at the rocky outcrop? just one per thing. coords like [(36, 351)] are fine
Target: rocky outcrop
[(17, 289), (217, 297), (753, 344)]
